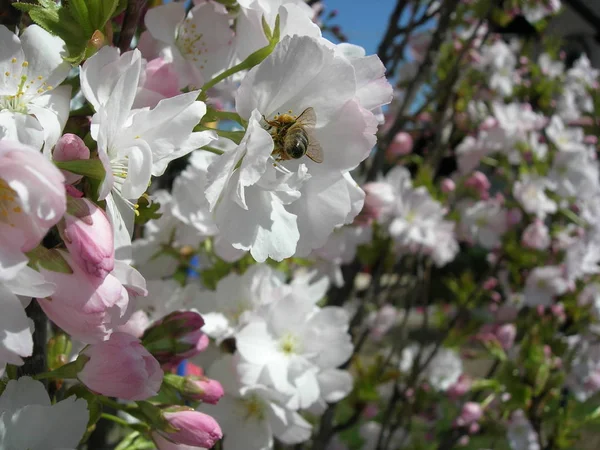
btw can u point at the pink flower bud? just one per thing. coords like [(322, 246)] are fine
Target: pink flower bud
[(506, 335), (121, 367), (471, 413), (593, 381), (488, 123), (460, 388), (370, 411), (448, 185), (193, 428), (591, 139), (176, 337), (401, 145), (480, 183), (203, 389), (558, 311), (490, 283), (88, 235), (70, 147)]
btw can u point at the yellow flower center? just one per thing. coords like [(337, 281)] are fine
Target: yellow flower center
[(9, 204)]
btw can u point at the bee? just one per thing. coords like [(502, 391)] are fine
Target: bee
[(293, 136)]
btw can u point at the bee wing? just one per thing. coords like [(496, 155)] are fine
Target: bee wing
[(308, 118), (314, 150)]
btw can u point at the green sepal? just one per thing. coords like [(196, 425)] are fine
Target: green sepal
[(68, 371), (146, 211), (154, 416), (48, 259)]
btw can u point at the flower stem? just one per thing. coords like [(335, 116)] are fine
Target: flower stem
[(139, 427), (253, 60), (216, 151)]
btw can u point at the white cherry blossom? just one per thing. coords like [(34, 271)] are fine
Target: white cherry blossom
[(33, 107)]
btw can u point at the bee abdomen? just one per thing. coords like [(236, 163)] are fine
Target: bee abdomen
[(296, 143)]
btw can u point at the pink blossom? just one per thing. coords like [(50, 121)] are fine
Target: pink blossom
[(136, 324), (401, 145), (382, 321), (448, 185), (480, 183), (158, 81), (514, 216), (88, 235), (121, 367), (194, 428), (536, 236), (471, 413), (32, 193), (461, 387), (379, 200), (506, 335), (86, 307), (490, 283), (70, 147)]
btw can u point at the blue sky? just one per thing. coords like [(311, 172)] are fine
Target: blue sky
[(363, 22)]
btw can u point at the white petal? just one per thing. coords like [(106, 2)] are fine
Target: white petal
[(255, 344), (44, 54), (121, 217), (15, 334), (139, 169), (22, 128), (10, 51), (162, 21), (30, 283), (288, 426), (335, 384), (98, 71), (195, 141), (60, 426), (22, 392), (325, 204), (297, 75), (52, 111), (266, 228)]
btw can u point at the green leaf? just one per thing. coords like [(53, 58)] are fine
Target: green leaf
[(76, 22), (91, 168), (80, 12), (57, 20), (101, 11)]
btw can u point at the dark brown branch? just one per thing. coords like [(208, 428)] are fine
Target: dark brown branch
[(133, 15)]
